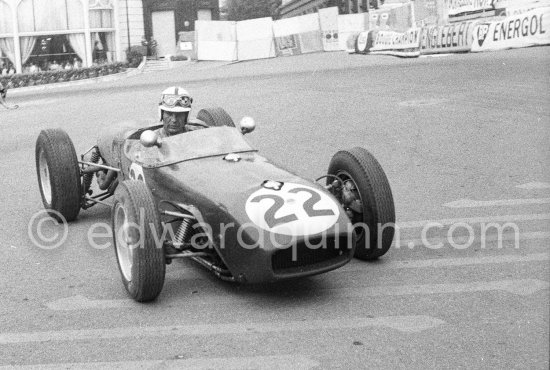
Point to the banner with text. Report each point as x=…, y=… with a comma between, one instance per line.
x=461, y=7
x=518, y=31
x=515, y=7
x=297, y=35
x=451, y=38
x=403, y=44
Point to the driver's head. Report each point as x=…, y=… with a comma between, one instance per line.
x=174, y=107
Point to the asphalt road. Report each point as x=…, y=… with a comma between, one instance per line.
x=464, y=140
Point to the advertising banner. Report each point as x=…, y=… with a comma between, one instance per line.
x=328, y=20
x=518, y=31
x=515, y=7
x=403, y=44
x=365, y=41
x=255, y=39
x=396, y=18
x=461, y=7
x=288, y=45
x=350, y=25
x=297, y=35
x=451, y=38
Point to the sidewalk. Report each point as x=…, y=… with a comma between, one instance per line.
x=193, y=66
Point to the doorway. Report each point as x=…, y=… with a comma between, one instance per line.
x=164, y=32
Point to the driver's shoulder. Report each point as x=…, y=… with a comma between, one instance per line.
x=195, y=124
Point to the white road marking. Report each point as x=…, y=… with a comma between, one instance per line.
x=257, y=362
x=447, y=262
x=474, y=220
x=79, y=302
x=470, y=203
x=522, y=287
x=534, y=186
x=409, y=324
x=463, y=240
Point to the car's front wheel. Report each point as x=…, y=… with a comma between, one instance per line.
x=58, y=174
x=365, y=194
x=136, y=230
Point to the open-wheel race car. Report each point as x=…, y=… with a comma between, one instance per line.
x=209, y=196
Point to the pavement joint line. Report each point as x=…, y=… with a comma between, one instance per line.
x=470, y=220
x=251, y=362
x=407, y=324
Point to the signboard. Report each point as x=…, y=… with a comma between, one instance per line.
x=328, y=21
x=288, y=45
x=404, y=44
x=518, y=31
x=451, y=38
x=461, y=7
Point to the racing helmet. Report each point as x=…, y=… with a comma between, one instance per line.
x=175, y=99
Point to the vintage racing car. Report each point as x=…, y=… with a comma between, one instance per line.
x=209, y=196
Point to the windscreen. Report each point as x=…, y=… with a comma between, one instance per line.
x=191, y=145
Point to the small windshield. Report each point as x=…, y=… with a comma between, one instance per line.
x=190, y=145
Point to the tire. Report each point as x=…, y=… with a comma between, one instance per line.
x=58, y=174
x=374, y=195
x=142, y=263
x=215, y=117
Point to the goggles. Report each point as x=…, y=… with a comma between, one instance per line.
x=172, y=101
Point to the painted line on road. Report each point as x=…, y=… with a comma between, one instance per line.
x=519, y=287
x=523, y=287
x=446, y=262
x=257, y=362
x=408, y=324
x=79, y=302
x=534, y=186
x=432, y=243
x=474, y=220
x=471, y=203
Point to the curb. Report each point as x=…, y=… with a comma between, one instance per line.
x=88, y=81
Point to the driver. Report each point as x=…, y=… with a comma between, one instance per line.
x=174, y=108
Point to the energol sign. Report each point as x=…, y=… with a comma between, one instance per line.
x=523, y=30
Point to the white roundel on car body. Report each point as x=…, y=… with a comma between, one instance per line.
x=136, y=172
x=294, y=209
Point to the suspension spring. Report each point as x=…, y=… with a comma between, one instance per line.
x=183, y=233
x=87, y=178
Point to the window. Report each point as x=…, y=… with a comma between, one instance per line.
x=51, y=15
x=6, y=23
x=51, y=52
x=101, y=13
x=101, y=18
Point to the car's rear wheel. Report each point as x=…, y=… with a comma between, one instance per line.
x=215, y=117
x=366, y=196
x=58, y=174
x=136, y=229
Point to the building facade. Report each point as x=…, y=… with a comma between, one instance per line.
x=54, y=34
x=48, y=35
x=293, y=8
x=165, y=19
